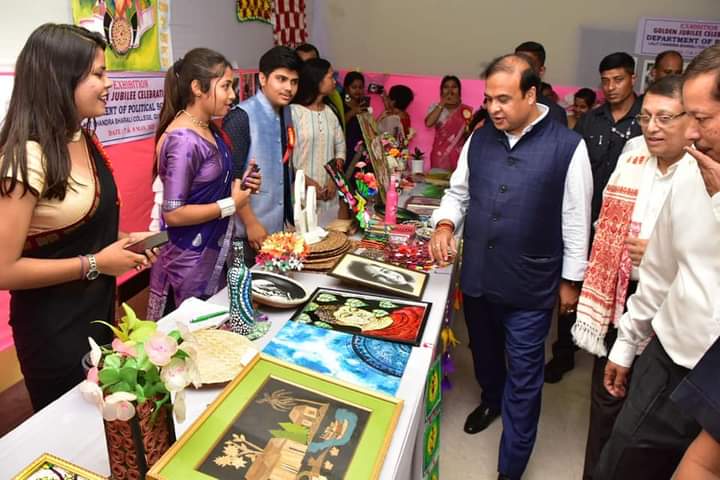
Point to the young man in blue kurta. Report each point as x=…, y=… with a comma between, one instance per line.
x=259, y=129
x=523, y=188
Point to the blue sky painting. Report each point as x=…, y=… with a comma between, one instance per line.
x=342, y=356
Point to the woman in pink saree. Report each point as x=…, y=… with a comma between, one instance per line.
x=450, y=118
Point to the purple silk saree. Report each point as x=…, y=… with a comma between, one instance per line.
x=193, y=171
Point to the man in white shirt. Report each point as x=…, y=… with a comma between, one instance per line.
x=632, y=201
x=523, y=188
x=675, y=300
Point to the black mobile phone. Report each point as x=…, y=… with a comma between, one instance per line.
x=157, y=240
x=376, y=88
x=254, y=168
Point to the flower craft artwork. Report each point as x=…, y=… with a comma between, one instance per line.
x=141, y=365
x=282, y=252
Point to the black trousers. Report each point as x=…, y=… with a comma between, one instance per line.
x=651, y=433
x=563, y=349
x=604, y=408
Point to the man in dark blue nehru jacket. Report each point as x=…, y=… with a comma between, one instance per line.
x=523, y=187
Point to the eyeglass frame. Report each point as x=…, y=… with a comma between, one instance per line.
x=662, y=120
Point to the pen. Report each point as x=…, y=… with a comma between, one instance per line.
x=208, y=316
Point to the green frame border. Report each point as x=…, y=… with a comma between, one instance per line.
x=192, y=448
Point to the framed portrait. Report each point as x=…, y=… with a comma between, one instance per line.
x=51, y=467
x=277, y=290
x=379, y=275
x=367, y=315
x=276, y=420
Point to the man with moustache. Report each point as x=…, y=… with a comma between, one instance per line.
x=605, y=130
x=675, y=307
x=522, y=186
x=260, y=129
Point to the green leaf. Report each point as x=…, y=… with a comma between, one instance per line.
x=140, y=394
x=176, y=335
x=311, y=307
x=387, y=304
x=120, y=387
x=130, y=317
x=323, y=325
x=152, y=376
x=117, y=332
x=129, y=375
x=112, y=361
x=355, y=303
x=131, y=363
x=303, y=318
x=109, y=376
x=380, y=313
x=326, y=298
x=181, y=354
x=143, y=332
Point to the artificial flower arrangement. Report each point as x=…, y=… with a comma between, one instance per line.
x=395, y=151
x=282, y=251
x=142, y=365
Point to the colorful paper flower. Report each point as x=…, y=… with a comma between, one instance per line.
x=160, y=348
x=95, y=352
x=92, y=393
x=123, y=348
x=119, y=406
x=175, y=375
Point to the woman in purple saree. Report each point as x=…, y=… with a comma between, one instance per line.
x=199, y=194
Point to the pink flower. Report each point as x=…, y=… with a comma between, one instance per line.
x=176, y=375
x=160, y=348
x=118, y=406
x=92, y=375
x=123, y=348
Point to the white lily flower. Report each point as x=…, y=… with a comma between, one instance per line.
x=175, y=375
x=119, y=406
x=179, y=408
x=92, y=393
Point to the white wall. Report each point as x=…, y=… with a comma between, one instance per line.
x=437, y=37
x=193, y=23
x=213, y=24
x=19, y=19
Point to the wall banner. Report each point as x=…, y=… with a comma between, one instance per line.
x=133, y=107
x=689, y=37
x=137, y=31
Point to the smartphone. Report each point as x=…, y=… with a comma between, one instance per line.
x=157, y=240
x=376, y=88
x=254, y=168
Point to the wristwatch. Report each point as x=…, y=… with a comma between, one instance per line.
x=93, y=271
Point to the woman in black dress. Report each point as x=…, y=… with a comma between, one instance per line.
x=59, y=208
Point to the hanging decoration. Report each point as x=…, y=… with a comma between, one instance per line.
x=254, y=10
x=289, y=22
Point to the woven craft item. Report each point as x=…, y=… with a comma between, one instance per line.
x=135, y=445
x=221, y=354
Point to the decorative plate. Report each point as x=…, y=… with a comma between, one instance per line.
x=277, y=290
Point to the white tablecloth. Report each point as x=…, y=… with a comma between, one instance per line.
x=72, y=429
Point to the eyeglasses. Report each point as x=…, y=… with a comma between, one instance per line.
x=662, y=120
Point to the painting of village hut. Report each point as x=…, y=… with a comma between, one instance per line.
x=285, y=433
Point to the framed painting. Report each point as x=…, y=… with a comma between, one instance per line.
x=366, y=315
x=380, y=275
x=276, y=420
x=369, y=363
x=50, y=467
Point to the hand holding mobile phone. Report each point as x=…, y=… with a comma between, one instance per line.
x=251, y=179
x=148, y=243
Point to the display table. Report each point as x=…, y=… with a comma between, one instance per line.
x=72, y=429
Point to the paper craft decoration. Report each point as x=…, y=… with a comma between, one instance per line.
x=51, y=467
x=277, y=290
x=433, y=390
x=242, y=314
x=344, y=190
x=279, y=421
x=253, y=10
x=431, y=441
x=366, y=362
x=289, y=22
x=367, y=315
x=305, y=211
x=380, y=275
